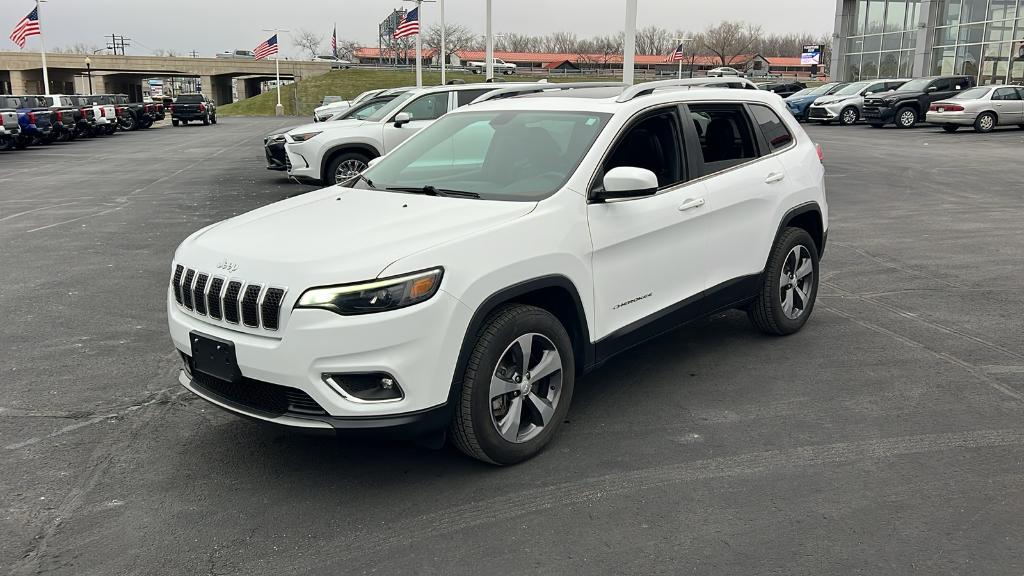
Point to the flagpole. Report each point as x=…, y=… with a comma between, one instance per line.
x=419, y=45
x=42, y=50
x=279, y=109
x=629, y=43
x=489, y=48
x=444, y=54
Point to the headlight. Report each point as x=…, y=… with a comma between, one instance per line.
x=305, y=136
x=376, y=295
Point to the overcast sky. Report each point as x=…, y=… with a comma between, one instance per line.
x=211, y=26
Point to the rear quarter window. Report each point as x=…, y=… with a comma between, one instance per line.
x=775, y=132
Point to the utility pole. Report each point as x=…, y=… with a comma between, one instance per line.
x=118, y=42
x=194, y=54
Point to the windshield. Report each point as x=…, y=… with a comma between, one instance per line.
x=972, y=94
x=392, y=106
x=821, y=90
x=801, y=93
x=190, y=99
x=331, y=99
x=362, y=111
x=852, y=89
x=918, y=84
x=500, y=154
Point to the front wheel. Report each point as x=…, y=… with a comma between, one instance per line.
x=906, y=117
x=790, y=285
x=849, y=116
x=344, y=166
x=517, y=386
x=985, y=122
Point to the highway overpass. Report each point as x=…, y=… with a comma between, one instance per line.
x=22, y=73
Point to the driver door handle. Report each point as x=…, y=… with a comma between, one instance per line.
x=690, y=204
x=774, y=177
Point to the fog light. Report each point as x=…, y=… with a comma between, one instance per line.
x=372, y=387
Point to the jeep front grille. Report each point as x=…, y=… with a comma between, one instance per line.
x=251, y=304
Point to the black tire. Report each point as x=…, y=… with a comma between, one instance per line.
x=206, y=120
x=985, y=122
x=331, y=174
x=184, y=122
x=174, y=122
x=6, y=144
x=767, y=312
x=849, y=116
x=906, y=117
x=213, y=119
x=1021, y=126
x=129, y=122
x=145, y=123
x=112, y=129
x=951, y=128
x=473, y=427
x=21, y=143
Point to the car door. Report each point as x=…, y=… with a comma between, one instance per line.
x=423, y=111
x=1007, y=105
x=649, y=253
x=744, y=182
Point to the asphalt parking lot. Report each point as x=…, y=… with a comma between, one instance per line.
x=885, y=438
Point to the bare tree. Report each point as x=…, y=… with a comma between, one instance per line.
x=308, y=41
x=560, y=43
x=652, y=40
x=78, y=48
x=515, y=42
x=458, y=38
x=347, y=49
x=171, y=53
x=730, y=40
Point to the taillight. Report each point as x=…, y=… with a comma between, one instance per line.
x=171, y=107
x=202, y=107
x=60, y=116
x=821, y=153
x=31, y=117
x=103, y=112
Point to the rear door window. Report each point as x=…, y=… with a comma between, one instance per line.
x=775, y=132
x=726, y=136
x=429, y=107
x=467, y=96
x=1006, y=94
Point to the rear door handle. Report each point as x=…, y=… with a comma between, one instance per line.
x=774, y=177
x=691, y=204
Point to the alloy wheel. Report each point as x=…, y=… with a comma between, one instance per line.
x=987, y=122
x=849, y=116
x=796, y=282
x=908, y=118
x=525, y=388
x=348, y=169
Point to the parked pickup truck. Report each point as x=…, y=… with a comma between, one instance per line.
x=9, y=128
x=500, y=67
x=36, y=122
x=193, y=107
x=104, y=115
x=64, y=121
x=132, y=115
x=72, y=120
x=908, y=105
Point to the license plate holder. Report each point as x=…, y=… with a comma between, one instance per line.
x=214, y=357
x=940, y=109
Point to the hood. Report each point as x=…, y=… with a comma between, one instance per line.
x=334, y=106
x=339, y=235
x=322, y=126
x=832, y=99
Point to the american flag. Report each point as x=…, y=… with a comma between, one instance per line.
x=29, y=26
x=268, y=48
x=677, y=56
x=410, y=24
x=334, y=42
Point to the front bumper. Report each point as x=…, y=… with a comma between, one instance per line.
x=825, y=112
x=878, y=114
x=276, y=156
x=798, y=111
x=302, y=159
x=9, y=132
x=418, y=346
x=951, y=118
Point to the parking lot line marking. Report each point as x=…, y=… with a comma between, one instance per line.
x=35, y=210
x=115, y=209
x=359, y=550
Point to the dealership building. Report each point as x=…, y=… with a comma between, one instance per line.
x=903, y=38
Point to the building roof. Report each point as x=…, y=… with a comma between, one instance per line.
x=545, y=59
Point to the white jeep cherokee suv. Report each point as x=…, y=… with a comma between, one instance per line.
x=466, y=279
x=334, y=152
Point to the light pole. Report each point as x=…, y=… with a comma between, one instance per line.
x=629, y=43
x=681, y=53
x=88, y=72
x=279, y=109
x=489, y=56
x=444, y=39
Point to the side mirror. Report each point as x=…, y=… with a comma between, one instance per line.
x=373, y=162
x=932, y=89
x=401, y=119
x=869, y=93
x=627, y=182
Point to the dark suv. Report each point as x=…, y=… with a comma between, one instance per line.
x=908, y=105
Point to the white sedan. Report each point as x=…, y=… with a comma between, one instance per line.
x=724, y=71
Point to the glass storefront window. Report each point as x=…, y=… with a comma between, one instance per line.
x=896, y=16
x=872, y=43
x=892, y=41
x=854, y=45
x=946, y=36
x=943, y=60
x=889, y=66
x=860, y=14
x=999, y=31
x=950, y=15
x=995, y=63
x=972, y=34
x=1017, y=67
x=869, y=67
x=853, y=67
x=1002, y=9
x=906, y=69
x=968, y=60
x=1019, y=30
x=974, y=11
x=913, y=11
x=876, y=16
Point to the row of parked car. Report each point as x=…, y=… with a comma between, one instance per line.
x=44, y=119
x=950, y=102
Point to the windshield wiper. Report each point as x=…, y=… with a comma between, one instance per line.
x=434, y=191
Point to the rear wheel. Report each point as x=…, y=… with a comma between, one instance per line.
x=22, y=142
x=213, y=119
x=985, y=122
x=790, y=285
x=951, y=128
x=517, y=386
x=206, y=120
x=129, y=122
x=174, y=122
x=345, y=166
x=849, y=116
x=906, y=117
